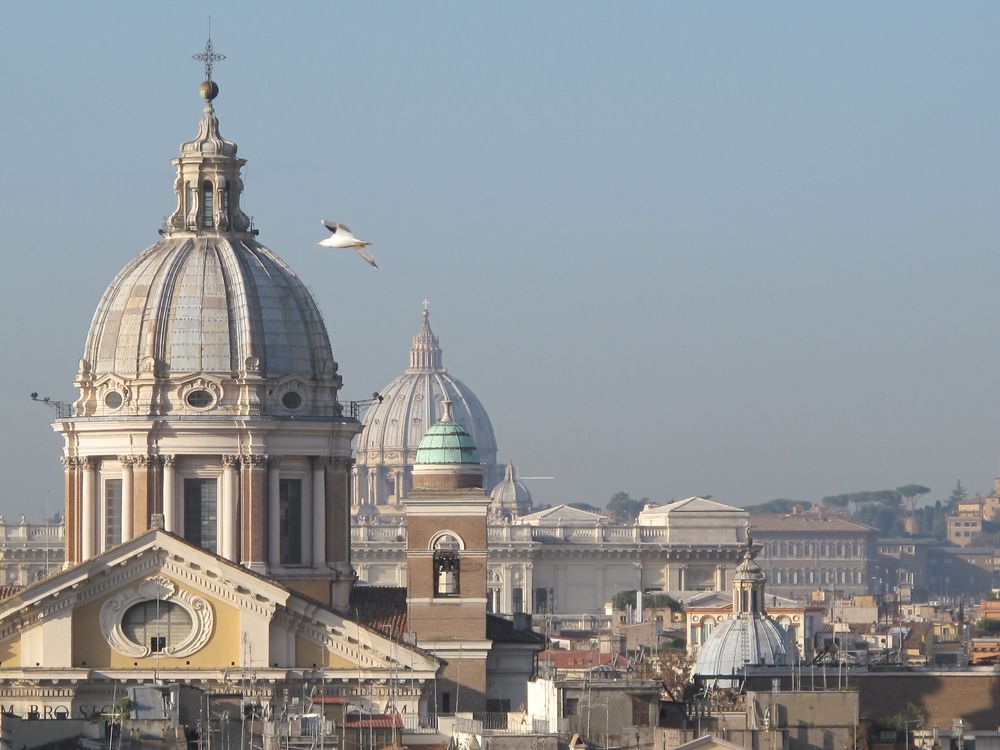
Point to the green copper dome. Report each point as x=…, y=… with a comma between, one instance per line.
x=446, y=442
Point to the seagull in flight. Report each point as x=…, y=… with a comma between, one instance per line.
x=342, y=237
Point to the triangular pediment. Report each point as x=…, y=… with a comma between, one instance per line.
x=562, y=514
x=229, y=615
x=690, y=505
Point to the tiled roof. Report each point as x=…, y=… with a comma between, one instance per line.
x=382, y=608
x=580, y=659
x=812, y=522
x=374, y=721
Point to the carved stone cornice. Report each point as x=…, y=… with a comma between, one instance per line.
x=126, y=460
x=254, y=460
x=145, y=461
x=87, y=463
x=69, y=462
x=229, y=461
x=168, y=461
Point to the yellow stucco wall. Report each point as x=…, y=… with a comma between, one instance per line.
x=10, y=652
x=91, y=650
x=314, y=589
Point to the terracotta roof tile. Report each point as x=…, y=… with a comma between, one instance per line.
x=382, y=608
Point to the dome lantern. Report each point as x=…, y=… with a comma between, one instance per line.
x=208, y=185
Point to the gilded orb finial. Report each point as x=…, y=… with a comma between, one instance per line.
x=209, y=89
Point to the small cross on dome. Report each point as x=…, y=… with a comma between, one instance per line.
x=209, y=56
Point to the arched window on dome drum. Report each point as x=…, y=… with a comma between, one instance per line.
x=707, y=626
x=207, y=205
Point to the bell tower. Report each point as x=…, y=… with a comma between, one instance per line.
x=446, y=561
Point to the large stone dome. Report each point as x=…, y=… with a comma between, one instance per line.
x=208, y=395
x=393, y=428
x=207, y=320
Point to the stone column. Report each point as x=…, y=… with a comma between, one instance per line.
x=87, y=509
x=72, y=518
x=338, y=529
x=274, y=511
x=253, y=515
x=229, y=517
x=128, y=496
x=529, y=590
x=319, y=512
x=141, y=508
x=170, y=498
x=338, y=510
x=507, y=605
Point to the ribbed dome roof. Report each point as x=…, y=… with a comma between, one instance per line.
x=744, y=641
x=208, y=304
x=446, y=442
x=412, y=403
x=510, y=495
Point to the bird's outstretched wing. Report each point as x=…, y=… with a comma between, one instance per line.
x=333, y=226
x=366, y=256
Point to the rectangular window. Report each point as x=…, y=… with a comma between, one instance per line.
x=208, y=209
x=640, y=711
x=290, y=525
x=570, y=706
x=541, y=600
x=112, y=512
x=446, y=572
x=200, y=512
x=446, y=703
x=518, y=600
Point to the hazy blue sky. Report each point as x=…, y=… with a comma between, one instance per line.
x=744, y=249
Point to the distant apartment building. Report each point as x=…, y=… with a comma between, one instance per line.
x=30, y=551
x=804, y=552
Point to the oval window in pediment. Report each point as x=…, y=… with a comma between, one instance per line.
x=157, y=625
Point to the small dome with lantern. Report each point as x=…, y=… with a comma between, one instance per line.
x=749, y=637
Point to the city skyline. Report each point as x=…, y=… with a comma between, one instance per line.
x=744, y=252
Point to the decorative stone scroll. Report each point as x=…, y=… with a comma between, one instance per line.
x=162, y=589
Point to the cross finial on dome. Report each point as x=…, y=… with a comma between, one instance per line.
x=208, y=56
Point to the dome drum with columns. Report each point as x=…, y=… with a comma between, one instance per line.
x=208, y=396
x=393, y=428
